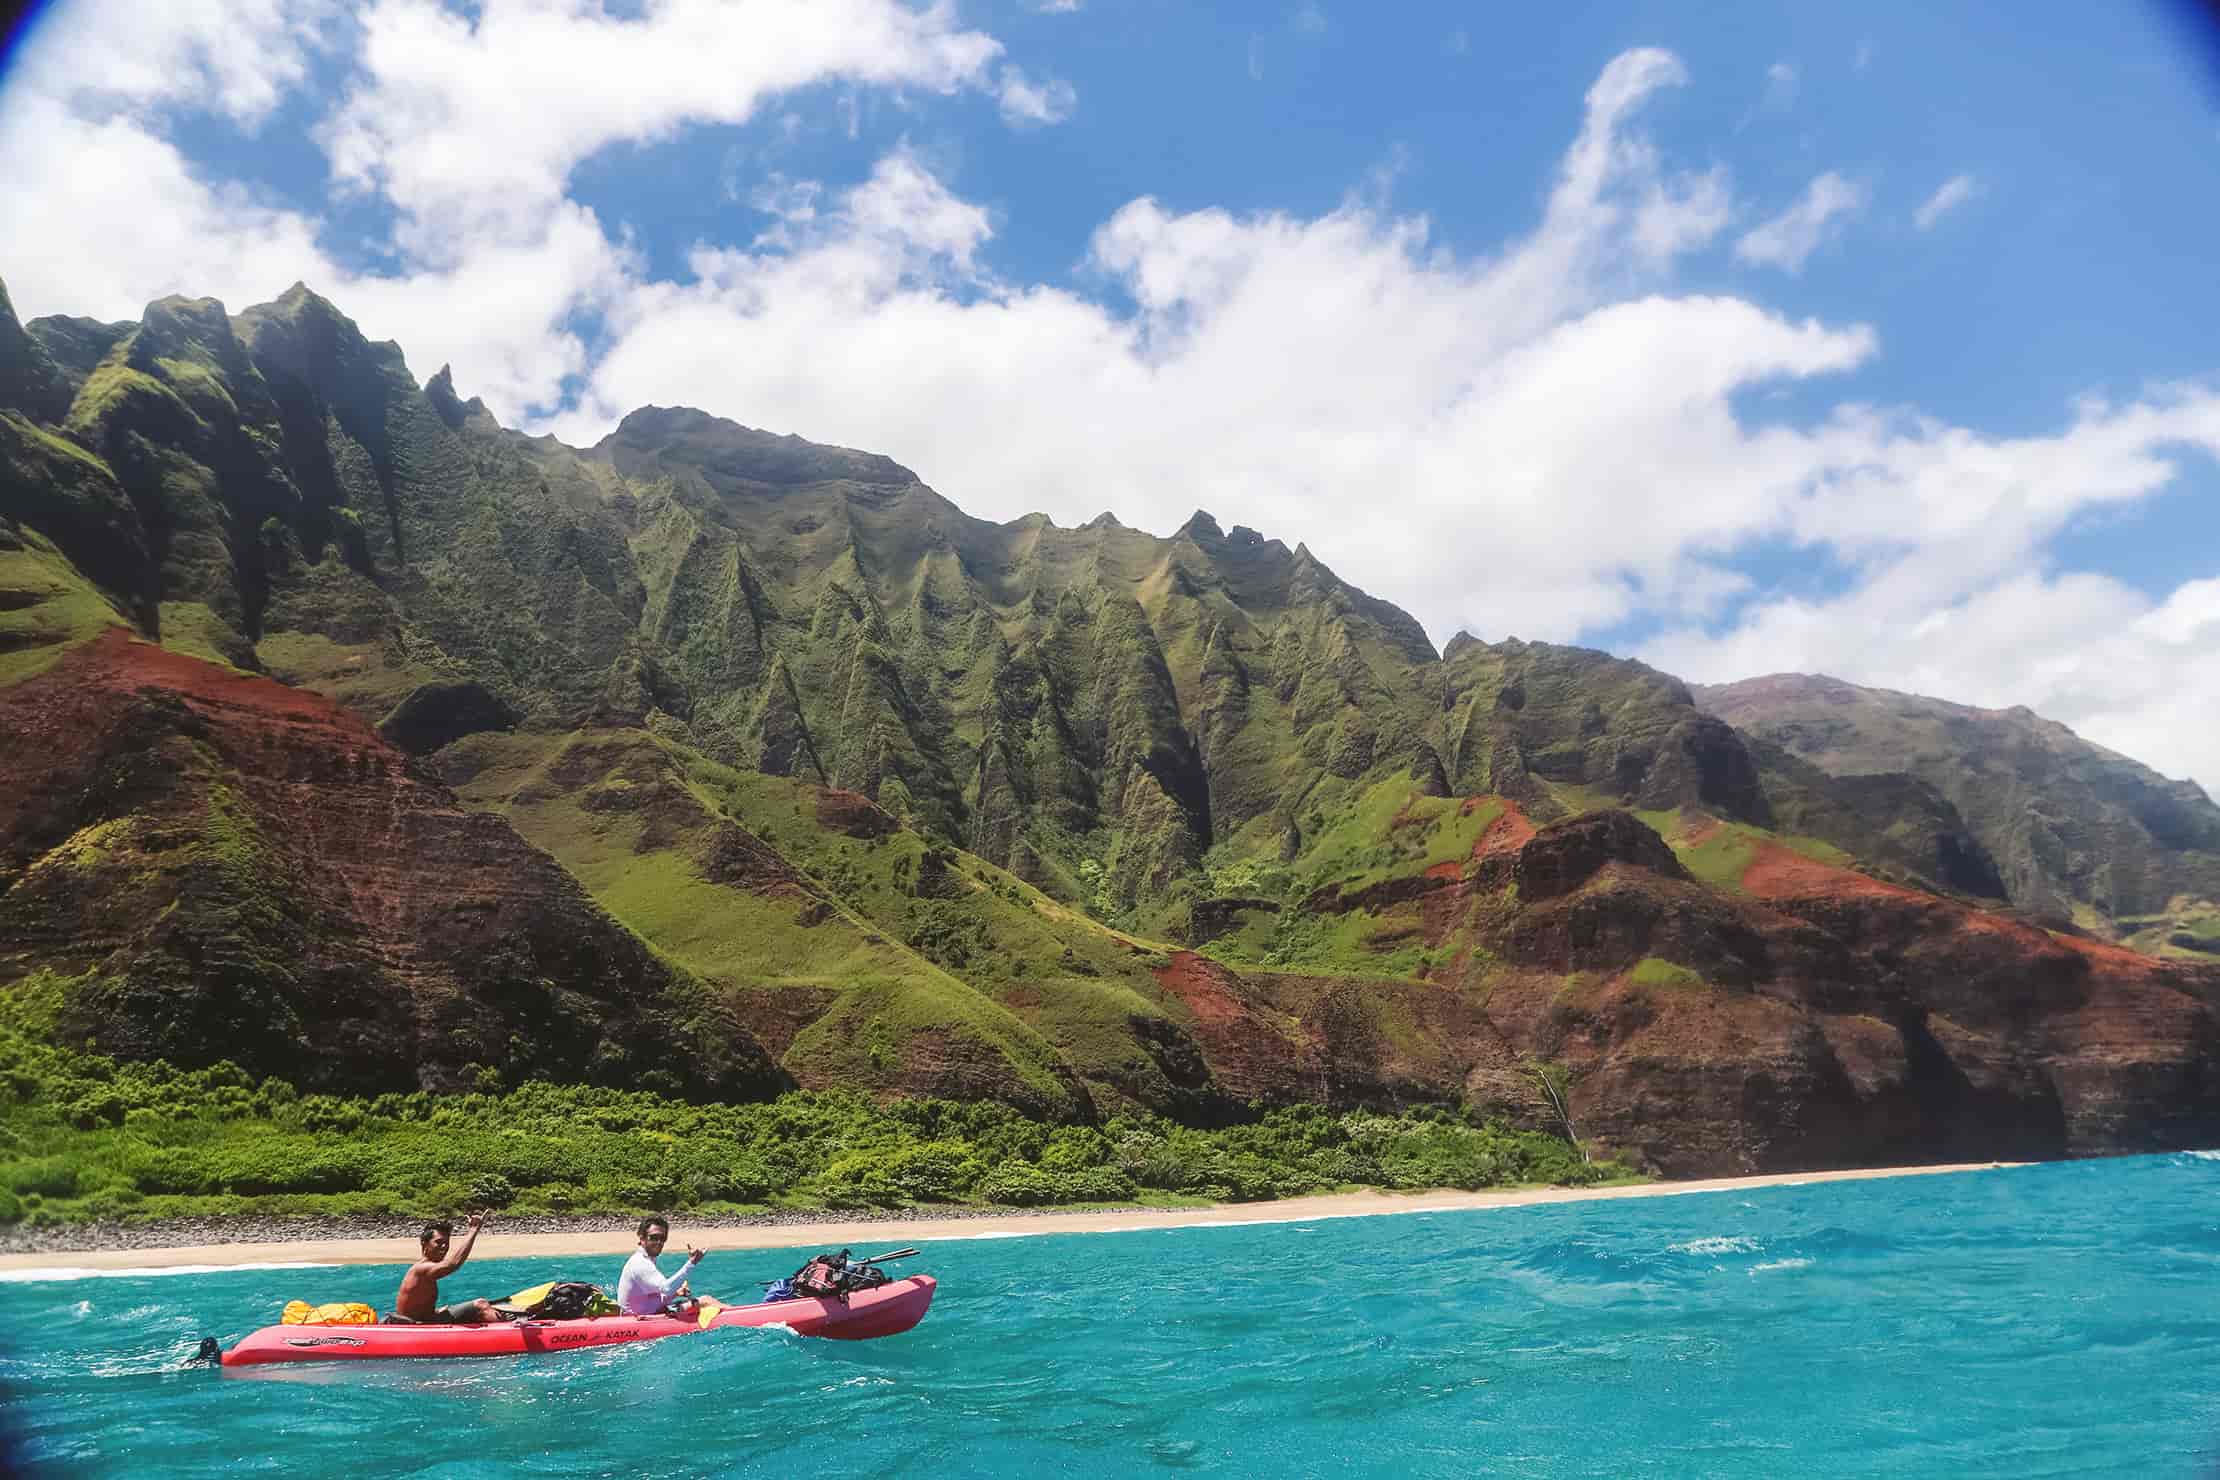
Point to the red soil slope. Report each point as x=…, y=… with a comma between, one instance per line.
x=247, y=871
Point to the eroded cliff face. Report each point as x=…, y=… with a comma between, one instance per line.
x=1814, y=1018
x=225, y=868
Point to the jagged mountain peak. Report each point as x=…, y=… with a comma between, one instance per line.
x=1200, y=527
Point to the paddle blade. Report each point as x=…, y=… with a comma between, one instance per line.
x=525, y=1299
x=710, y=1310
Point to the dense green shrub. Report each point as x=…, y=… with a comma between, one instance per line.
x=1019, y=1184
x=43, y=1176
x=84, y=1137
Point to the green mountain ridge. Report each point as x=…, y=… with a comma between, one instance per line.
x=902, y=800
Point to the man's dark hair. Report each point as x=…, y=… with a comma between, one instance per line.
x=656, y=1220
x=442, y=1226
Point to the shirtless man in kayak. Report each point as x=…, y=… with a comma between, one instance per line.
x=418, y=1302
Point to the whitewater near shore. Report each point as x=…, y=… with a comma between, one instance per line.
x=618, y=1237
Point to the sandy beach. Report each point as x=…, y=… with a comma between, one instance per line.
x=831, y=1233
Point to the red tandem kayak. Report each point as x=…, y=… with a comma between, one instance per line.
x=885, y=1311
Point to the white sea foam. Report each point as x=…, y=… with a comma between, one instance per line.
x=74, y=1272
x=1780, y=1264
x=2204, y=1155
x=966, y=1238
x=1727, y=1244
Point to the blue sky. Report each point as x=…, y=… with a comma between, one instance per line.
x=1876, y=340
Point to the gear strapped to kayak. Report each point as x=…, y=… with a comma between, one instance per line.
x=833, y=1277
x=558, y=1300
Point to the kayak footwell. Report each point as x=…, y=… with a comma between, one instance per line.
x=887, y=1311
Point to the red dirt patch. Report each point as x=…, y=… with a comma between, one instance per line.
x=1252, y=1050
x=1510, y=831
x=1777, y=872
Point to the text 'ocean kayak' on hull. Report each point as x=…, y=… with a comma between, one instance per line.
x=885, y=1311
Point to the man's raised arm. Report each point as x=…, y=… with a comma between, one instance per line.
x=455, y=1258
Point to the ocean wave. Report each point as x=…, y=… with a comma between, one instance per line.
x=2202, y=1155
x=1780, y=1264
x=1718, y=1244
x=75, y=1272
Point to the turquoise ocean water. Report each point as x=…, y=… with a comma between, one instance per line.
x=2051, y=1320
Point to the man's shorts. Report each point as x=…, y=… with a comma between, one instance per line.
x=462, y=1313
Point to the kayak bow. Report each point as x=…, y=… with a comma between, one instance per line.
x=886, y=1311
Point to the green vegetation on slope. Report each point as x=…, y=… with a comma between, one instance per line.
x=46, y=607
x=83, y=1137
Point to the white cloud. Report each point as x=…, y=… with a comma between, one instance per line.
x=498, y=313
x=1026, y=102
x=1862, y=58
x=460, y=121
x=231, y=57
x=1789, y=239
x=1953, y=193
x=1780, y=86
x=139, y=223
x=1053, y=7
x=1309, y=18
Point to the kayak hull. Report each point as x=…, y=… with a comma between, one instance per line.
x=887, y=1311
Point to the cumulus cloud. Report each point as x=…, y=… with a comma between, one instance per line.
x=1026, y=102
x=1951, y=194
x=1788, y=240
x=459, y=118
x=140, y=222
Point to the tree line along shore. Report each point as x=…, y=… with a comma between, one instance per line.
x=88, y=1139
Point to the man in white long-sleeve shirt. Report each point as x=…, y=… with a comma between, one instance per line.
x=642, y=1290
